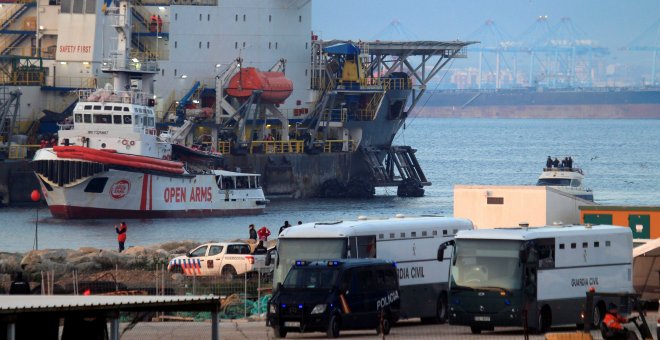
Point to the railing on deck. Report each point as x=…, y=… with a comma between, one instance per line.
x=369, y=83
x=109, y=96
x=292, y=146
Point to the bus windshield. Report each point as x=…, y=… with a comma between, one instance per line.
x=487, y=264
x=291, y=249
x=311, y=278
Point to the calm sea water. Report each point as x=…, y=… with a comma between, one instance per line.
x=621, y=160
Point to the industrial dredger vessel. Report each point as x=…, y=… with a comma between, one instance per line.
x=314, y=117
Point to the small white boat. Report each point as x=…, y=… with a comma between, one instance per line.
x=566, y=178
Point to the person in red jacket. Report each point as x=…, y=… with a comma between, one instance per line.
x=121, y=235
x=613, y=321
x=263, y=234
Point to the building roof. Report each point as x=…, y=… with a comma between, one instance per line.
x=14, y=304
x=618, y=208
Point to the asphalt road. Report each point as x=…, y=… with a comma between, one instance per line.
x=409, y=329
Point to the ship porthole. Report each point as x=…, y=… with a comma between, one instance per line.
x=103, y=145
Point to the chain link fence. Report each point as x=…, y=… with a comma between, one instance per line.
x=244, y=300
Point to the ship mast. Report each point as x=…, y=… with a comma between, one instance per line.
x=132, y=71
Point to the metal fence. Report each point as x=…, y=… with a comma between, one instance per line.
x=244, y=301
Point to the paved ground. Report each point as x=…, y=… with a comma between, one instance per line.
x=257, y=330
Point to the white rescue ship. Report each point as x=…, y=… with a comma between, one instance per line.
x=109, y=162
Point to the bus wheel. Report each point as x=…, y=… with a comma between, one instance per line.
x=333, y=327
x=475, y=329
x=545, y=320
x=599, y=313
x=440, y=311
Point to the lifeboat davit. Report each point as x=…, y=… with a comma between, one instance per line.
x=275, y=86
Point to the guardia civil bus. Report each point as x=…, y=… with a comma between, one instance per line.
x=502, y=277
x=411, y=242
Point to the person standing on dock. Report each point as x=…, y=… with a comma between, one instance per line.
x=263, y=234
x=121, y=235
x=253, y=233
x=286, y=225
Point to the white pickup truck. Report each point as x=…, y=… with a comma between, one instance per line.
x=227, y=259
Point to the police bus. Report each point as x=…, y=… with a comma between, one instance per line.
x=412, y=242
x=502, y=277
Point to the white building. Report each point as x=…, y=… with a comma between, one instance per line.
x=491, y=206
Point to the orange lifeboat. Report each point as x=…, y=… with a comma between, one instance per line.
x=275, y=86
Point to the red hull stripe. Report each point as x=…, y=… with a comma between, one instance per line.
x=143, y=198
x=151, y=192
x=71, y=212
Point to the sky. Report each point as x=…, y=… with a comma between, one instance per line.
x=613, y=24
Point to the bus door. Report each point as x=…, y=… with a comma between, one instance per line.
x=362, y=247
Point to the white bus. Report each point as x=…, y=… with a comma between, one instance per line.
x=412, y=242
x=501, y=277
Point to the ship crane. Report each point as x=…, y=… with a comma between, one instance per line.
x=8, y=114
x=648, y=41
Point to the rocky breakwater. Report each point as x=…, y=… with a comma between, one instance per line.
x=65, y=266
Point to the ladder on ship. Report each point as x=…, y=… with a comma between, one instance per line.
x=401, y=158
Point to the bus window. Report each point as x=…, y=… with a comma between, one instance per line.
x=545, y=249
x=128, y=119
x=78, y=118
x=363, y=246
x=116, y=119
x=87, y=118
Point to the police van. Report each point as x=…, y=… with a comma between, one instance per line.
x=412, y=242
x=502, y=277
x=331, y=295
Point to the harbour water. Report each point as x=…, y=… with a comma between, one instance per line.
x=621, y=160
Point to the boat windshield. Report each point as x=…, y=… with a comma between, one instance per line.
x=311, y=278
x=289, y=250
x=554, y=182
x=487, y=264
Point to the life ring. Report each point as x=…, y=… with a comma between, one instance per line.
x=124, y=142
x=132, y=142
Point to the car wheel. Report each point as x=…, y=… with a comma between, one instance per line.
x=333, y=327
x=386, y=325
x=228, y=273
x=279, y=332
x=475, y=330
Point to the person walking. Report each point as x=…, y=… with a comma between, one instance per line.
x=253, y=233
x=121, y=235
x=263, y=234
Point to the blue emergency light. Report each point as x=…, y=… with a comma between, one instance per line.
x=333, y=263
x=300, y=306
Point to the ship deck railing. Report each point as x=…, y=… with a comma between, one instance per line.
x=578, y=170
x=291, y=146
x=110, y=96
x=365, y=84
